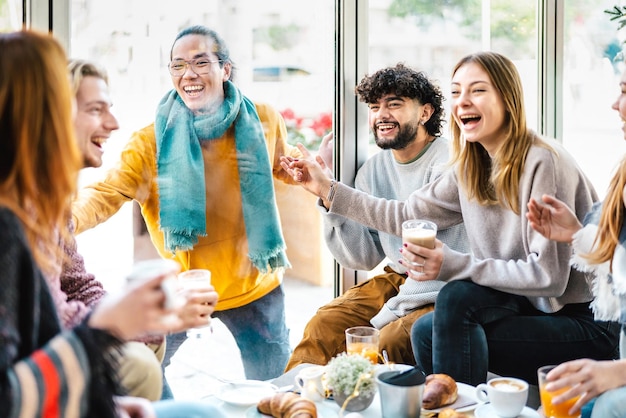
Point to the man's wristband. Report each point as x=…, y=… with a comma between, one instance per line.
x=331, y=191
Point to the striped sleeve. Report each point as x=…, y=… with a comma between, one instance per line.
x=52, y=382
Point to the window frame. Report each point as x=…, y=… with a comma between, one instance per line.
x=351, y=129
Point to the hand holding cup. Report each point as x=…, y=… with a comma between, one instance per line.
x=143, y=306
x=200, y=300
x=551, y=409
x=421, y=252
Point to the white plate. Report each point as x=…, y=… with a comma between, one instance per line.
x=486, y=411
x=323, y=411
x=245, y=392
x=467, y=395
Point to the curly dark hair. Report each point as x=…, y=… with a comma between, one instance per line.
x=404, y=82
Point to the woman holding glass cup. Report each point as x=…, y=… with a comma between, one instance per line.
x=514, y=303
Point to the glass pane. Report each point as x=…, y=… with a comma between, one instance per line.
x=284, y=55
x=10, y=15
x=433, y=36
x=592, y=131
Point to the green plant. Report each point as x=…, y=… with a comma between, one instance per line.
x=346, y=370
x=619, y=14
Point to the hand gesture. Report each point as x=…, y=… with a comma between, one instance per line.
x=312, y=174
x=553, y=219
x=422, y=263
x=325, y=151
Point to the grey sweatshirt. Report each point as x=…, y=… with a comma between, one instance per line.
x=358, y=247
x=506, y=253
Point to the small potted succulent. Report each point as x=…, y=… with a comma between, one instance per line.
x=350, y=377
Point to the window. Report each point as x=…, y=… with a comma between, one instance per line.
x=284, y=56
x=432, y=37
x=10, y=15
x=283, y=45
x=592, y=131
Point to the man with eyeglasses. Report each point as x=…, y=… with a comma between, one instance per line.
x=203, y=176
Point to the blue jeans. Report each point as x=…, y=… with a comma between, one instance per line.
x=261, y=334
x=476, y=329
x=611, y=404
x=185, y=409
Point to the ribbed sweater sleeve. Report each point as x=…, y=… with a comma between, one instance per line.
x=506, y=253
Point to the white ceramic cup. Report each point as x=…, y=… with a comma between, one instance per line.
x=507, y=395
x=309, y=382
x=149, y=269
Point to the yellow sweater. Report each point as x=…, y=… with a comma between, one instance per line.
x=224, y=250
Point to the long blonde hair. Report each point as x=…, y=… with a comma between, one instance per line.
x=39, y=156
x=496, y=181
x=611, y=219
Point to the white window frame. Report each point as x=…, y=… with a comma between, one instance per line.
x=351, y=130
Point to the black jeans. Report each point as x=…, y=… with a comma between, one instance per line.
x=475, y=329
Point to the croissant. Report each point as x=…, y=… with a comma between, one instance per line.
x=287, y=405
x=451, y=413
x=440, y=390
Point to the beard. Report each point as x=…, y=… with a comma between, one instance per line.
x=406, y=135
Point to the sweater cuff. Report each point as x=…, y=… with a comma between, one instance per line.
x=330, y=219
x=383, y=317
x=582, y=240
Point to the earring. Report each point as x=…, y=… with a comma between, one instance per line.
x=422, y=122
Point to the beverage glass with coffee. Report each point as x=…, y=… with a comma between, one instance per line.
x=363, y=341
x=419, y=232
x=507, y=395
x=551, y=410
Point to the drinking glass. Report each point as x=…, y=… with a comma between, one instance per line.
x=195, y=279
x=550, y=410
x=363, y=341
x=419, y=232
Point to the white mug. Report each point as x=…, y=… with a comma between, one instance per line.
x=309, y=382
x=507, y=395
x=149, y=269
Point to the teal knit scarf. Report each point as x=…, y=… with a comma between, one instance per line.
x=180, y=175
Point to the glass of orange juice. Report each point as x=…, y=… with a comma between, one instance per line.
x=549, y=409
x=363, y=341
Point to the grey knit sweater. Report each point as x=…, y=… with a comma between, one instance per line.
x=358, y=247
x=506, y=253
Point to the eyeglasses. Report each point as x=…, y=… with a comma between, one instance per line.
x=199, y=66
